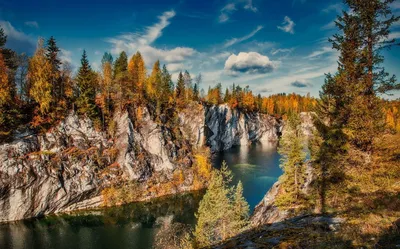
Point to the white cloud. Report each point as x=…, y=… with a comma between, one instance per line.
x=317, y=53
x=249, y=6
x=282, y=50
x=394, y=35
x=142, y=41
x=226, y=11
x=232, y=7
x=287, y=25
x=246, y=37
x=32, y=24
x=250, y=63
x=175, y=67
x=17, y=39
x=329, y=26
x=337, y=7
x=65, y=55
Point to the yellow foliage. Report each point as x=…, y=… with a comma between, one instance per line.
x=203, y=164
x=39, y=77
x=4, y=84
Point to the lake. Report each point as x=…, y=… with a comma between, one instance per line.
x=141, y=225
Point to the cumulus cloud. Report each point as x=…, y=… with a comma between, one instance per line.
x=241, y=39
x=287, y=25
x=32, y=24
x=300, y=84
x=18, y=40
x=142, y=41
x=249, y=63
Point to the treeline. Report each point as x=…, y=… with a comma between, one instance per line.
x=41, y=90
x=244, y=98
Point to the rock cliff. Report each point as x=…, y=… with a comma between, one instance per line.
x=68, y=167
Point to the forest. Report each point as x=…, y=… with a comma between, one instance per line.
x=353, y=153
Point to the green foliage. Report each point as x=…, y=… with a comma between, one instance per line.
x=223, y=212
x=86, y=81
x=291, y=148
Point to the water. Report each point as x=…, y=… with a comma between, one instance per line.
x=142, y=225
x=257, y=166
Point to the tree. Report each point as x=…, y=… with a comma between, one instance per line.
x=39, y=76
x=21, y=76
x=241, y=210
x=121, y=66
x=349, y=98
x=5, y=100
x=223, y=212
x=86, y=81
x=167, y=86
x=52, y=51
x=180, y=90
x=10, y=58
x=291, y=148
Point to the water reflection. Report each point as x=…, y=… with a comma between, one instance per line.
x=257, y=166
x=130, y=226
x=143, y=225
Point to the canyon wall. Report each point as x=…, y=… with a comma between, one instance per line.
x=68, y=167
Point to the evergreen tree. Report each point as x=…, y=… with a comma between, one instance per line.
x=223, y=212
x=167, y=86
x=291, y=148
x=349, y=98
x=86, y=81
x=241, y=210
x=121, y=66
x=52, y=51
x=180, y=90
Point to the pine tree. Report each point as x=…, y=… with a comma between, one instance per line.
x=167, y=86
x=52, y=51
x=291, y=148
x=107, y=89
x=215, y=212
x=121, y=66
x=180, y=90
x=223, y=212
x=120, y=73
x=86, y=81
x=241, y=210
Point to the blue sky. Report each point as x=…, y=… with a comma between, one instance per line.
x=272, y=46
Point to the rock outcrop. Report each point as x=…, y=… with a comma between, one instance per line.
x=226, y=127
x=68, y=167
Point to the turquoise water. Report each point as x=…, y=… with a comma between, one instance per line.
x=143, y=225
x=257, y=166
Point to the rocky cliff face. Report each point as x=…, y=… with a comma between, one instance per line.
x=68, y=167
x=226, y=127
x=266, y=212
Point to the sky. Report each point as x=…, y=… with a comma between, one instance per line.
x=271, y=46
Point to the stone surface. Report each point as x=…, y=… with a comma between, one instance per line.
x=67, y=168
